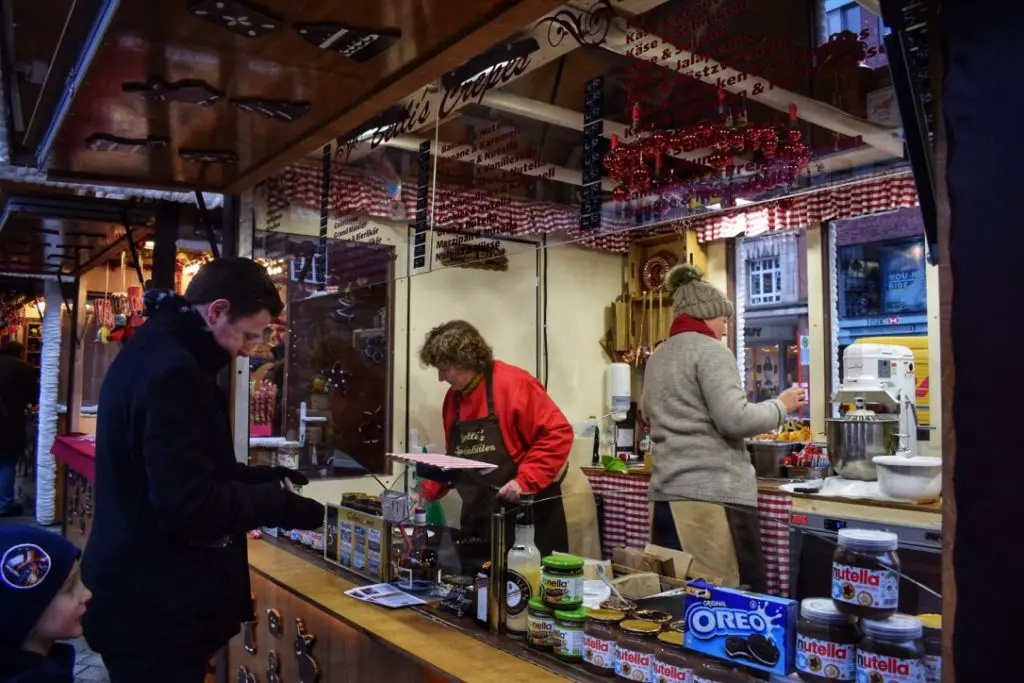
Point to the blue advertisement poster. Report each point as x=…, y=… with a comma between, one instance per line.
x=903, y=279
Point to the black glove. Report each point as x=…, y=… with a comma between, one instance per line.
x=302, y=513
x=294, y=476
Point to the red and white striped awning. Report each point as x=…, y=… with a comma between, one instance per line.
x=354, y=190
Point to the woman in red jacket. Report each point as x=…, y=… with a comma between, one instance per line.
x=500, y=414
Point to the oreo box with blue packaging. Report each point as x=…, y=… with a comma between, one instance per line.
x=749, y=629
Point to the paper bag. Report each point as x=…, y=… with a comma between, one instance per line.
x=674, y=563
x=637, y=586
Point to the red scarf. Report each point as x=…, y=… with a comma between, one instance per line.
x=687, y=323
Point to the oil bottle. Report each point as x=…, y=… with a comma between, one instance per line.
x=523, y=570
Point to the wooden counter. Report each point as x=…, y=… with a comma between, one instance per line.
x=357, y=640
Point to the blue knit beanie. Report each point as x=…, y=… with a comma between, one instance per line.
x=34, y=564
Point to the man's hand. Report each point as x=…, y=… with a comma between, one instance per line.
x=290, y=476
x=510, y=492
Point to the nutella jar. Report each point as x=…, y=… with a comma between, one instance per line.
x=568, y=635
x=826, y=643
x=673, y=663
x=634, y=653
x=932, y=647
x=662, y=619
x=540, y=624
x=865, y=573
x=600, y=635
x=891, y=650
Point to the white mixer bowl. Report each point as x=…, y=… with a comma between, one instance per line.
x=914, y=478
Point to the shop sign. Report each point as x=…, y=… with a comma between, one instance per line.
x=774, y=332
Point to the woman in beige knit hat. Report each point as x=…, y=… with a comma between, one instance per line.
x=703, y=487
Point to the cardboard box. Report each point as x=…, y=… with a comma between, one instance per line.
x=674, y=563
x=749, y=629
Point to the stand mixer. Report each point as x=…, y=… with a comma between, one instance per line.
x=879, y=381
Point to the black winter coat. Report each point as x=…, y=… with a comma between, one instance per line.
x=19, y=388
x=166, y=560
x=27, y=667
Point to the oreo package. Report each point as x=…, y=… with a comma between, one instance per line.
x=749, y=629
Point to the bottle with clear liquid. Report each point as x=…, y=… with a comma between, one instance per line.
x=523, y=570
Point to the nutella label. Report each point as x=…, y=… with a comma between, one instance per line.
x=540, y=631
x=825, y=659
x=665, y=673
x=633, y=665
x=561, y=591
x=878, y=588
x=569, y=642
x=599, y=652
x=933, y=669
x=872, y=668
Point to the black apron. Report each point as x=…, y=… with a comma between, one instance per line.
x=482, y=440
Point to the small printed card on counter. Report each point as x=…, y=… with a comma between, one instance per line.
x=384, y=594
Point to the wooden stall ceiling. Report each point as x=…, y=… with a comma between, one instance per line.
x=44, y=21
x=164, y=40
x=64, y=241
x=776, y=43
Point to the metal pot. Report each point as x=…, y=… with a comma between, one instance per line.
x=853, y=442
x=767, y=456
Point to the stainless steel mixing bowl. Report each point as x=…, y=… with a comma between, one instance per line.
x=854, y=441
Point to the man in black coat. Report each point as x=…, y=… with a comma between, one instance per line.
x=19, y=389
x=167, y=559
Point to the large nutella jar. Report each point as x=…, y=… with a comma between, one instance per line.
x=635, y=650
x=865, y=573
x=891, y=650
x=600, y=637
x=826, y=643
x=673, y=664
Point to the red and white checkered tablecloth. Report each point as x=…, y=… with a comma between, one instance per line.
x=626, y=512
x=627, y=522
x=774, y=509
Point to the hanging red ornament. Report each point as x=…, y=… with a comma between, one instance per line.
x=719, y=160
x=794, y=134
x=642, y=178
x=620, y=193
x=736, y=140
x=689, y=141
x=768, y=148
x=703, y=131
x=656, y=142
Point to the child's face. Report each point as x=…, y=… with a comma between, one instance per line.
x=63, y=618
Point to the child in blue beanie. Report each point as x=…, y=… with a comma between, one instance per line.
x=42, y=600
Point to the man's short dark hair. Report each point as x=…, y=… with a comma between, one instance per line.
x=245, y=285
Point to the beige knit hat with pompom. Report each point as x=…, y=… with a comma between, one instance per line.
x=694, y=296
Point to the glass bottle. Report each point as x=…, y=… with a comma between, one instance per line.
x=522, y=570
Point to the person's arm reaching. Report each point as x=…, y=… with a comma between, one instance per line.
x=727, y=403
x=189, y=498
x=435, y=490
x=547, y=433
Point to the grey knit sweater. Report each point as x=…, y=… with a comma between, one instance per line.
x=699, y=416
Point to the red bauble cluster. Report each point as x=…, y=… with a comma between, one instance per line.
x=637, y=165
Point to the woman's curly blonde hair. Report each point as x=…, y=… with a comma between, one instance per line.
x=458, y=344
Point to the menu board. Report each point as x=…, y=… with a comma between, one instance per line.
x=357, y=541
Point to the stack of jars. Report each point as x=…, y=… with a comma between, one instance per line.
x=857, y=634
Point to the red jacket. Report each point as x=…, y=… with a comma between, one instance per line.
x=536, y=433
